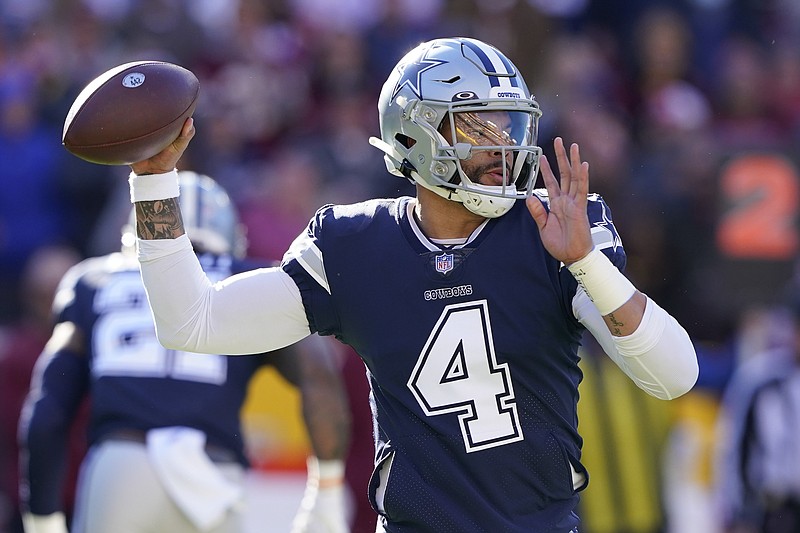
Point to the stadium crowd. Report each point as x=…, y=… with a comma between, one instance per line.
x=688, y=112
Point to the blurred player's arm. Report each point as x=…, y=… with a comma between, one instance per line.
x=314, y=366
x=318, y=376
x=59, y=383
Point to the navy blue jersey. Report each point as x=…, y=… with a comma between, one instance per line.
x=472, y=357
x=135, y=383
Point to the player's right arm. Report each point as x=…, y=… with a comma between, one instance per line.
x=59, y=383
x=252, y=312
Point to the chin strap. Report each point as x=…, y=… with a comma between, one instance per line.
x=485, y=205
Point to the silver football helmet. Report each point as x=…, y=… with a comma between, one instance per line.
x=472, y=91
x=209, y=216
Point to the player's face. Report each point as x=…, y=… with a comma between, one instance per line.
x=490, y=130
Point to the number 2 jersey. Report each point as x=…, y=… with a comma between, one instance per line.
x=471, y=352
x=133, y=382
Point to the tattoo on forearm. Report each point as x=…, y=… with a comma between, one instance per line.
x=616, y=325
x=160, y=219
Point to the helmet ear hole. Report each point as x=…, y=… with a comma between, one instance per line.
x=405, y=140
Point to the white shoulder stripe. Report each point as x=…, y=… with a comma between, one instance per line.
x=305, y=251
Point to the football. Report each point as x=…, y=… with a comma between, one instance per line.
x=130, y=112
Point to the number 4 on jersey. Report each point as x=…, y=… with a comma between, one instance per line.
x=457, y=373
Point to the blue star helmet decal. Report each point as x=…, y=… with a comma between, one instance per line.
x=412, y=74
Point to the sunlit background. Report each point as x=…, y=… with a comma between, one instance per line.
x=688, y=112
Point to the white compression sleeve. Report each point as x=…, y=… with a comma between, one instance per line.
x=252, y=312
x=659, y=356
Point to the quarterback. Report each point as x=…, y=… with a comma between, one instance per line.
x=467, y=302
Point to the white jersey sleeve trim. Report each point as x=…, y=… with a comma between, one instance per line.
x=659, y=356
x=309, y=256
x=252, y=312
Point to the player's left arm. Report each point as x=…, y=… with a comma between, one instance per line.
x=658, y=356
x=566, y=235
x=648, y=344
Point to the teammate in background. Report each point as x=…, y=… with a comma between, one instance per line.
x=166, y=445
x=466, y=305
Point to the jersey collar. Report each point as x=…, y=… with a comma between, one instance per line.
x=439, y=244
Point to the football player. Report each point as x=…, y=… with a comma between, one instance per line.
x=466, y=303
x=166, y=443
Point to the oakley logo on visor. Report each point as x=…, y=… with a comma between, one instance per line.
x=464, y=95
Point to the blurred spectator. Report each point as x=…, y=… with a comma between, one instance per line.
x=403, y=26
x=339, y=144
x=667, y=98
x=280, y=203
x=32, y=212
x=758, y=466
x=343, y=15
x=744, y=114
x=583, y=86
x=785, y=86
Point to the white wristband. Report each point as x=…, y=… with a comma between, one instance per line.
x=149, y=187
x=605, y=285
x=51, y=523
x=330, y=470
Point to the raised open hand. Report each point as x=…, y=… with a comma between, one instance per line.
x=565, y=228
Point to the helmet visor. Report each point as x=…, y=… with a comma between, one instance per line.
x=509, y=133
x=490, y=129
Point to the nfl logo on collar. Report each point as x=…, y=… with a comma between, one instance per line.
x=444, y=263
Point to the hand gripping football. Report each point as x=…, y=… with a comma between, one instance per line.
x=130, y=112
